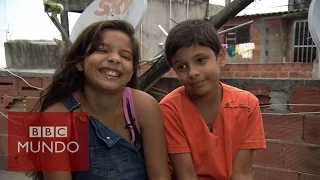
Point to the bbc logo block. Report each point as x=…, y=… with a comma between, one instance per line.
x=41, y=141
x=48, y=131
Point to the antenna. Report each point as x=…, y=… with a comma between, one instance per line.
x=313, y=21
x=132, y=11
x=55, y=9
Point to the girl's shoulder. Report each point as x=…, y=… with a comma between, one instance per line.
x=141, y=97
x=56, y=107
x=145, y=105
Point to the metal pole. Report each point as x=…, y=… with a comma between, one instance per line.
x=170, y=14
x=318, y=63
x=187, y=9
x=141, y=39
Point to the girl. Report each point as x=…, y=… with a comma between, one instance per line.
x=99, y=75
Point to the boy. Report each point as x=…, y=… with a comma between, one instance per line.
x=211, y=128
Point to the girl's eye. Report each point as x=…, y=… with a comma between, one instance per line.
x=101, y=50
x=126, y=57
x=181, y=67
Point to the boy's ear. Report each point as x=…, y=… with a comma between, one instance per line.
x=79, y=66
x=222, y=57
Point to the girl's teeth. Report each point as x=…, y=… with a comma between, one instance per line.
x=111, y=73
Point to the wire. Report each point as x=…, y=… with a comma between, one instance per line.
x=164, y=93
x=154, y=59
x=279, y=114
x=10, y=119
x=286, y=5
x=160, y=90
x=289, y=105
x=299, y=113
x=300, y=37
x=156, y=93
x=22, y=79
x=173, y=21
x=303, y=36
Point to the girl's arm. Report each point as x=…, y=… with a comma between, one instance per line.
x=153, y=138
x=54, y=175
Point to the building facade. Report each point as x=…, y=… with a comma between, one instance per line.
x=280, y=45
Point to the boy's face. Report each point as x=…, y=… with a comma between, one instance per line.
x=198, y=68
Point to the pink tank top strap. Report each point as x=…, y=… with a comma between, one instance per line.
x=130, y=98
x=127, y=102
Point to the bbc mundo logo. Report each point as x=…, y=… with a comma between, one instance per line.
x=44, y=145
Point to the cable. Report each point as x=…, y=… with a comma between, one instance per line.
x=279, y=114
x=154, y=59
x=165, y=92
x=156, y=93
x=289, y=105
x=299, y=113
x=10, y=119
x=22, y=79
x=287, y=5
x=301, y=37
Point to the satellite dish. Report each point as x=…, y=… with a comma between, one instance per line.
x=313, y=21
x=131, y=11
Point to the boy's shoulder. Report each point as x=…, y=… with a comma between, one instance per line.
x=176, y=97
x=234, y=94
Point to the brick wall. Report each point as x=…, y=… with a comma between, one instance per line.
x=16, y=95
x=269, y=70
x=293, y=150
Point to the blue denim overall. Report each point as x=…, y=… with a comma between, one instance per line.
x=110, y=155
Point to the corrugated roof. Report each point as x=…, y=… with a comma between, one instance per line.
x=273, y=13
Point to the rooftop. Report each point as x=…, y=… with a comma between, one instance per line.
x=293, y=12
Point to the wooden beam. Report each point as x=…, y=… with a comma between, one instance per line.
x=65, y=23
x=229, y=11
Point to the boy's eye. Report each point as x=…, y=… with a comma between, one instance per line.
x=201, y=60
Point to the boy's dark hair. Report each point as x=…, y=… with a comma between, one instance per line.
x=190, y=32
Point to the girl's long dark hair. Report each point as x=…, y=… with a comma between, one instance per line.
x=67, y=79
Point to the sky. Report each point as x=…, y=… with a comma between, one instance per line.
x=26, y=19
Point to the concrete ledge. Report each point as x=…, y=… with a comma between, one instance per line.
x=275, y=84
x=29, y=54
x=13, y=175
x=28, y=72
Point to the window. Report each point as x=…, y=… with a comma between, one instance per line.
x=304, y=49
x=237, y=36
